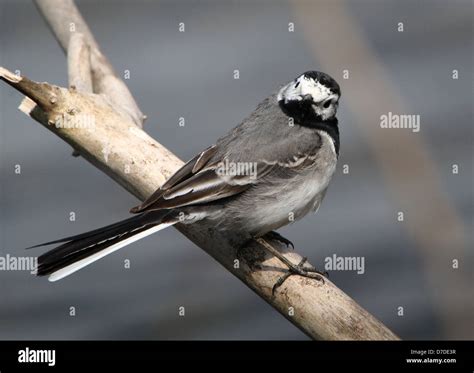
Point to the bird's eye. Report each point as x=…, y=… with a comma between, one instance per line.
x=327, y=104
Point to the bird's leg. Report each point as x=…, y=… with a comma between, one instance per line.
x=272, y=235
x=293, y=269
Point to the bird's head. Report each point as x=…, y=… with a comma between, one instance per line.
x=313, y=96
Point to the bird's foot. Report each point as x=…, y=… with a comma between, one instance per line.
x=299, y=269
x=293, y=269
x=272, y=235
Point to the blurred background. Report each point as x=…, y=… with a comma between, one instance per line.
x=388, y=56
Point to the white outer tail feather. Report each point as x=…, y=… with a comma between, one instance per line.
x=74, y=267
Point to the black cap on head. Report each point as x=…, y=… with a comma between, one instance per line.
x=325, y=80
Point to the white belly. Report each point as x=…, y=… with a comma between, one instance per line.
x=293, y=204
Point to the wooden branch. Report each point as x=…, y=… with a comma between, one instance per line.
x=112, y=142
x=140, y=164
x=79, y=64
x=65, y=20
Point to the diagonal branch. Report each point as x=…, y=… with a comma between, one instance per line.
x=91, y=123
x=65, y=20
x=140, y=165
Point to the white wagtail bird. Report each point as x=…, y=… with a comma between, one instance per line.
x=271, y=169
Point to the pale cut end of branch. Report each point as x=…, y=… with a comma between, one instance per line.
x=8, y=76
x=27, y=106
x=44, y=94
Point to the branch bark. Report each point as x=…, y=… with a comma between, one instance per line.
x=112, y=142
x=79, y=64
x=65, y=20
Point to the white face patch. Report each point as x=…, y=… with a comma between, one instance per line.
x=303, y=86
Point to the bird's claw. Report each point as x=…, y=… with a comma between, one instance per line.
x=308, y=272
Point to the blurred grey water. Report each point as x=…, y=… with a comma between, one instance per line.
x=190, y=75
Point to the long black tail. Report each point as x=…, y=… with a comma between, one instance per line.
x=78, y=251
